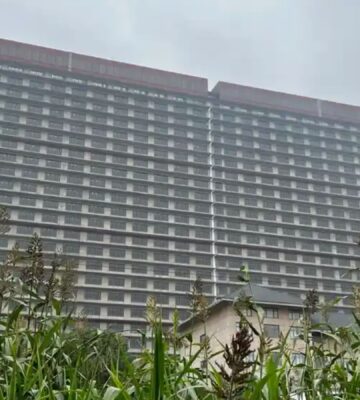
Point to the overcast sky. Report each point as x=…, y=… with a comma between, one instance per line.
x=306, y=47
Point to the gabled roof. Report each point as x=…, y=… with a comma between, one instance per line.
x=264, y=295
x=261, y=295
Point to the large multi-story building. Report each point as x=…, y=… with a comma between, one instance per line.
x=149, y=180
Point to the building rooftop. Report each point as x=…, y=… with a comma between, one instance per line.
x=69, y=62
x=264, y=296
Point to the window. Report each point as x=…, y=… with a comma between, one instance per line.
x=93, y=208
x=295, y=332
x=52, y=189
x=72, y=234
x=116, y=281
x=28, y=187
x=297, y=358
x=92, y=294
x=138, y=297
x=91, y=309
x=92, y=279
x=95, y=250
x=271, y=313
x=26, y=215
x=115, y=296
x=95, y=237
x=23, y=230
x=271, y=331
x=27, y=201
x=96, y=221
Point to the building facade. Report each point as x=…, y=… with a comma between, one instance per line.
x=277, y=314
x=149, y=181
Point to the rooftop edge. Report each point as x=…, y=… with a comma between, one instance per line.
x=66, y=61
x=69, y=62
x=246, y=95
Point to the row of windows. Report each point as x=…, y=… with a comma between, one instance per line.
x=303, y=168
x=327, y=276
x=179, y=143
x=273, y=254
x=185, y=287
x=324, y=129
x=140, y=296
x=131, y=108
x=254, y=116
x=119, y=239
x=257, y=115
x=301, y=136
x=83, y=89
x=91, y=310
x=301, y=219
x=246, y=216
x=324, y=296
x=247, y=183
x=160, y=136
x=310, y=147
x=125, y=123
x=123, y=161
x=231, y=160
x=283, y=211
x=282, y=198
x=230, y=202
x=107, y=116
x=137, y=200
x=285, y=193
x=255, y=259
x=300, y=168
x=93, y=169
x=118, y=184
x=122, y=224
x=156, y=270
x=130, y=149
x=276, y=217
x=265, y=231
x=120, y=252
x=273, y=241
x=102, y=143
x=97, y=208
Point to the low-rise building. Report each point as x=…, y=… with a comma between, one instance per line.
x=279, y=314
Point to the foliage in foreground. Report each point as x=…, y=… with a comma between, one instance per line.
x=46, y=355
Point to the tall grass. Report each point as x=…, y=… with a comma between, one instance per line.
x=46, y=354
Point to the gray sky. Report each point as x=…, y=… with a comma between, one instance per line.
x=306, y=47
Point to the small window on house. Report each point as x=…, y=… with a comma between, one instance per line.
x=295, y=314
x=272, y=331
x=271, y=313
x=295, y=332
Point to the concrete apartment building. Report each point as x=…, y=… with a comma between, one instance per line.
x=149, y=180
